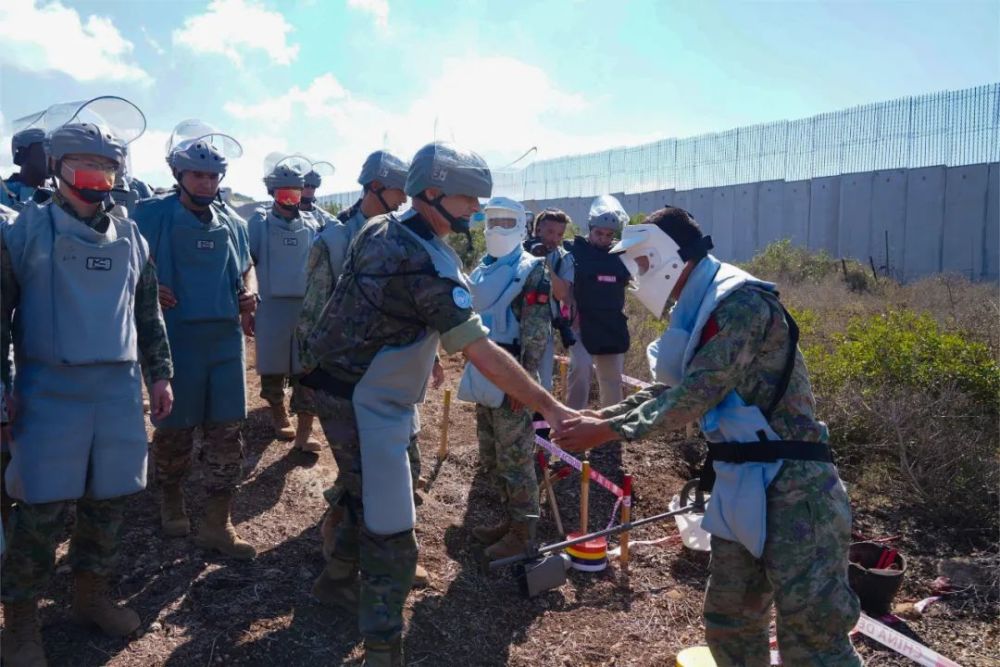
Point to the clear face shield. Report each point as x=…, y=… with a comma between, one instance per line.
x=191, y=131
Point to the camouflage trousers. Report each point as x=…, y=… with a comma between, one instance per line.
x=221, y=452
x=335, y=494
x=507, y=455
x=36, y=531
x=387, y=562
x=803, y=572
x=272, y=390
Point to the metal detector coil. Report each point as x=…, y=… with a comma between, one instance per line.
x=544, y=568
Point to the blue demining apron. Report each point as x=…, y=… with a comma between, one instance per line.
x=80, y=431
x=282, y=273
x=385, y=403
x=199, y=263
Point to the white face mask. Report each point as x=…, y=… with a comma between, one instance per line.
x=649, y=246
x=506, y=226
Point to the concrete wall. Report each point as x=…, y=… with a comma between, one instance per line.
x=934, y=219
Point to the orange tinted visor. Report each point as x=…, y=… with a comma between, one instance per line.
x=288, y=196
x=90, y=179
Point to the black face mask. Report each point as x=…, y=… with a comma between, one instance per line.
x=459, y=225
x=307, y=202
x=90, y=195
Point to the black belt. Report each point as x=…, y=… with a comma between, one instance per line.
x=769, y=451
x=764, y=451
x=320, y=380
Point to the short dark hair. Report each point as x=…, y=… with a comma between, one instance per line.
x=681, y=226
x=553, y=214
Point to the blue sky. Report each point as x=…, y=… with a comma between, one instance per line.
x=335, y=79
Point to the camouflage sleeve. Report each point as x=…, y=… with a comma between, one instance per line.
x=319, y=287
x=446, y=307
x=633, y=401
x=9, y=295
x=154, y=348
x=536, y=320
x=715, y=370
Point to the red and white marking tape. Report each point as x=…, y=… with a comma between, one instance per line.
x=902, y=644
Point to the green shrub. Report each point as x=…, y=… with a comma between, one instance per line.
x=908, y=349
x=790, y=264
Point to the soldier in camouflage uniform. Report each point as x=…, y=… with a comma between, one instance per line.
x=207, y=285
x=80, y=308
x=280, y=241
x=401, y=294
x=511, y=292
x=779, y=515
x=382, y=178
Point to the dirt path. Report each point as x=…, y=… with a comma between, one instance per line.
x=201, y=610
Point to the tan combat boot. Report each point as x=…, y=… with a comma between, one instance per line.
x=421, y=578
x=92, y=606
x=279, y=419
x=303, y=435
x=491, y=534
x=338, y=585
x=383, y=654
x=173, y=516
x=515, y=542
x=216, y=530
x=21, y=642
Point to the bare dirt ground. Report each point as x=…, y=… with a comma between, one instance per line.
x=200, y=609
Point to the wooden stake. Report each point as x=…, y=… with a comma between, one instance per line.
x=550, y=493
x=443, y=447
x=584, y=497
x=626, y=517
x=564, y=377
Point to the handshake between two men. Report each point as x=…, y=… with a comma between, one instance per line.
x=574, y=431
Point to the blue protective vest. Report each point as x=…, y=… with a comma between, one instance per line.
x=737, y=510
x=200, y=263
x=280, y=249
x=15, y=194
x=338, y=239
x=80, y=431
x=494, y=288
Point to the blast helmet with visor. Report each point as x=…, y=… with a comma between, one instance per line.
x=86, y=142
x=284, y=178
x=197, y=146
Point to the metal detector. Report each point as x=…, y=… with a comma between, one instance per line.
x=543, y=568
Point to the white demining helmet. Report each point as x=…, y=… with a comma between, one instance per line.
x=655, y=262
x=506, y=226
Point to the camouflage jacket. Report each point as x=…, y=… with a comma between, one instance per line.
x=319, y=287
x=747, y=354
x=389, y=294
x=154, y=349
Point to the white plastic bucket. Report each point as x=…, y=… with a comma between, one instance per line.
x=689, y=526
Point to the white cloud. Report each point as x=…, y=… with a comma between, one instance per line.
x=53, y=37
x=323, y=91
x=379, y=9
x=233, y=27
x=326, y=121
x=153, y=44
